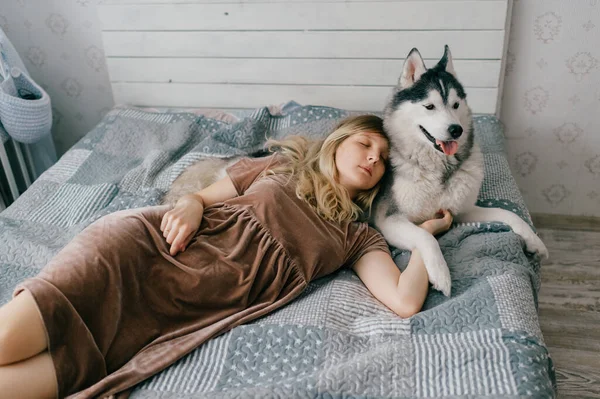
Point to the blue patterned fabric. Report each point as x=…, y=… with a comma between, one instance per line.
x=336, y=340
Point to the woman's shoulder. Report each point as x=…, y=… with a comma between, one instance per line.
x=269, y=159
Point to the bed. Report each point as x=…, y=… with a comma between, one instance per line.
x=335, y=340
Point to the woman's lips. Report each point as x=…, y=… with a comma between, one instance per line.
x=367, y=170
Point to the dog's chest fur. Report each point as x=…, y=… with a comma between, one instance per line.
x=420, y=190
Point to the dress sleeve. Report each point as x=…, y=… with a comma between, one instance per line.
x=361, y=240
x=247, y=170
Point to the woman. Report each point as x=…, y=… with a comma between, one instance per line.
x=138, y=289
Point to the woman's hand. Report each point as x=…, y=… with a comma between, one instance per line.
x=181, y=223
x=440, y=224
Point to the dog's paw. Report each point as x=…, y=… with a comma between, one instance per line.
x=534, y=244
x=439, y=274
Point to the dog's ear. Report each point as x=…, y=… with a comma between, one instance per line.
x=446, y=62
x=413, y=68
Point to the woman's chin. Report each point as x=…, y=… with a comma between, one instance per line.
x=360, y=183
x=364, y=180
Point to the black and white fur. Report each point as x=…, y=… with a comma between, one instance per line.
x=426, y=108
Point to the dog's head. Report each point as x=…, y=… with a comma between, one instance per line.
x=429, y=107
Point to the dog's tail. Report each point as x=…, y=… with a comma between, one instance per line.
x=195, y=177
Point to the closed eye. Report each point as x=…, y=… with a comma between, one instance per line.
x=383, y=155
x=429, y=106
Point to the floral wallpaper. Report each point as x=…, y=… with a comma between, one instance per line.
x=550, y=106
x=61, y=45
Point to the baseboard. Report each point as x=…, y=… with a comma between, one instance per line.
x=565, y=222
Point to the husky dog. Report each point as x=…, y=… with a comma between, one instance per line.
x=435, y=164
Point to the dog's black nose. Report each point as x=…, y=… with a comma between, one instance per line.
x=455, y=131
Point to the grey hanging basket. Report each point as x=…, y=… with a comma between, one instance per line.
x=25, y=108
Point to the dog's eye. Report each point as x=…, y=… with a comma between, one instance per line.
x=429, y=106
x=455, y=106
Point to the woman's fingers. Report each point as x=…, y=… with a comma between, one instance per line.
x=173, y=225
x=163, y=222
x=176, y=243
x=171, y=233
x=167, y=220
x=180, y=242
x=186, y=241
x=184, y=236
x=167, y=225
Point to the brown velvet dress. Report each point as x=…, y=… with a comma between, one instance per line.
x=118, y=308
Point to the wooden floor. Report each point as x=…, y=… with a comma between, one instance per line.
x=570, y=309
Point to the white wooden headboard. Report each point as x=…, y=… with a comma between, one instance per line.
x=340, y=53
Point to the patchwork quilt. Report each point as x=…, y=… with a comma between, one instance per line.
x=336, y=340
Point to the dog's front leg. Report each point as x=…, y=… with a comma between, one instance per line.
x=401, y=233
x=478, y=214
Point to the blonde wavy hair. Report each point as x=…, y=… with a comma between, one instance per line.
x=312, y=162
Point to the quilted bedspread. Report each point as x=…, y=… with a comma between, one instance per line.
x=336, y=340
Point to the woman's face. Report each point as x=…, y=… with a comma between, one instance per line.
x=359, y=160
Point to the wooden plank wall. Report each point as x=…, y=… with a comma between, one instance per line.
x=250, y=53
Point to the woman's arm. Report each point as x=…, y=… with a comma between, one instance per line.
x=404, y=293
x=219, y=191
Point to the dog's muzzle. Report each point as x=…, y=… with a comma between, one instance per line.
x=431, y=138
x=445, y=147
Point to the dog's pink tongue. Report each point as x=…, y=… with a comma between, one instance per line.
x=449, y=147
